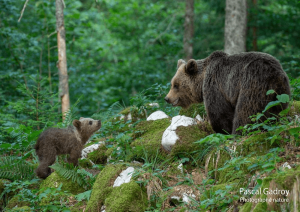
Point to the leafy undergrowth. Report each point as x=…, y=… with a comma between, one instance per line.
x=204, y=171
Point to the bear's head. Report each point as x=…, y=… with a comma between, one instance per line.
x=86, y=127
x=186, y=85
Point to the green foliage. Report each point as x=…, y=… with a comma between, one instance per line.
x=28, y=194
x=16, y=168
x=77, y=175
x=122, y=150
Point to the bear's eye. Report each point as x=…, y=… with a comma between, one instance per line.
x=176, y=86
x=90, y=122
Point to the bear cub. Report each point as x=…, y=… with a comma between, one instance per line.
x=56, y=141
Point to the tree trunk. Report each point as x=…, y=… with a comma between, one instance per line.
x=62, y=58
x=235, y=26
x=254, y=28
x=188, y=29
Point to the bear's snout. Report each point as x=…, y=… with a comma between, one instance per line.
x=167, y=99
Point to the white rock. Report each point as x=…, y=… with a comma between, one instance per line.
x=187, y=197
x=124, y=177
x=286, y=165
x=169, y=137
x=154, y=104
x=157, y=115
x=180, y=167
x=175, y=197
x=198, y=117
x=89, y=149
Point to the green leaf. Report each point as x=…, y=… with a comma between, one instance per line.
x=284, y=112
x=284, y=98
x=270, y=92
x=271, y=104
x=294, y=131
x=5, y=146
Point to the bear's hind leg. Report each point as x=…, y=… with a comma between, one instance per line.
x=43, y=170
x=220, y=113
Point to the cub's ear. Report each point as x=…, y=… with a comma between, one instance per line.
x=77, y=124
x=81, y=118
x=180, y=62
x=191, y=67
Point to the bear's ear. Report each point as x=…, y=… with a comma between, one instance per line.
x=81, y=118
x=191, y=67
x=180, y=62
x=77, y=124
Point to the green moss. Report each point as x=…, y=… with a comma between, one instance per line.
x=224, y=175
x=126, y=111
x=257, y=143
x=2, y=184
x=24, y=208
x=56, y=199
x=98, y=156
x=295, y=108
x=85, y=163
x=148, y=135
x=260, y=207
x=78, y=207
x=127, y=197
x=103, y=186
x=187, y=136
x=246, y=207
x=54, y=180
x=173, y=170
x=193, y=110
x=16, y=202
x=109, y=151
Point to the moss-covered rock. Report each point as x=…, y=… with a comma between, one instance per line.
x=98, y=156
x=54, y=180
x=103, y=186
x=24, y=209
x=148, y=135
x=185, y=145
x=16, y=202
x=127, y=197
x=193, y=110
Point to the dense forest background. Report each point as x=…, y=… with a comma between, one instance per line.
x=119, y=48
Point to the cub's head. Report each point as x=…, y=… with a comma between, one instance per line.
x=185, y=84
x=86, y=127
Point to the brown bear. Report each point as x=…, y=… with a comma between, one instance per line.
x=56, y=141
x=232, y=87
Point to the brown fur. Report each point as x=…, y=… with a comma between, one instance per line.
x=232, y=87
x=55, y=141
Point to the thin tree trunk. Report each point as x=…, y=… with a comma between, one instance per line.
x=62, y=58
x=188, y=29
x=254, y=29
x=235, y=26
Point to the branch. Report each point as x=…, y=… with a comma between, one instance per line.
x=166, y=30
x=23, y=10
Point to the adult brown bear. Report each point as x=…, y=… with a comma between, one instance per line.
x=232, y=87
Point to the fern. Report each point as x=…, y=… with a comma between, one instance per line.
x=80, y=176
x=12, y=168
x=70, y=114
